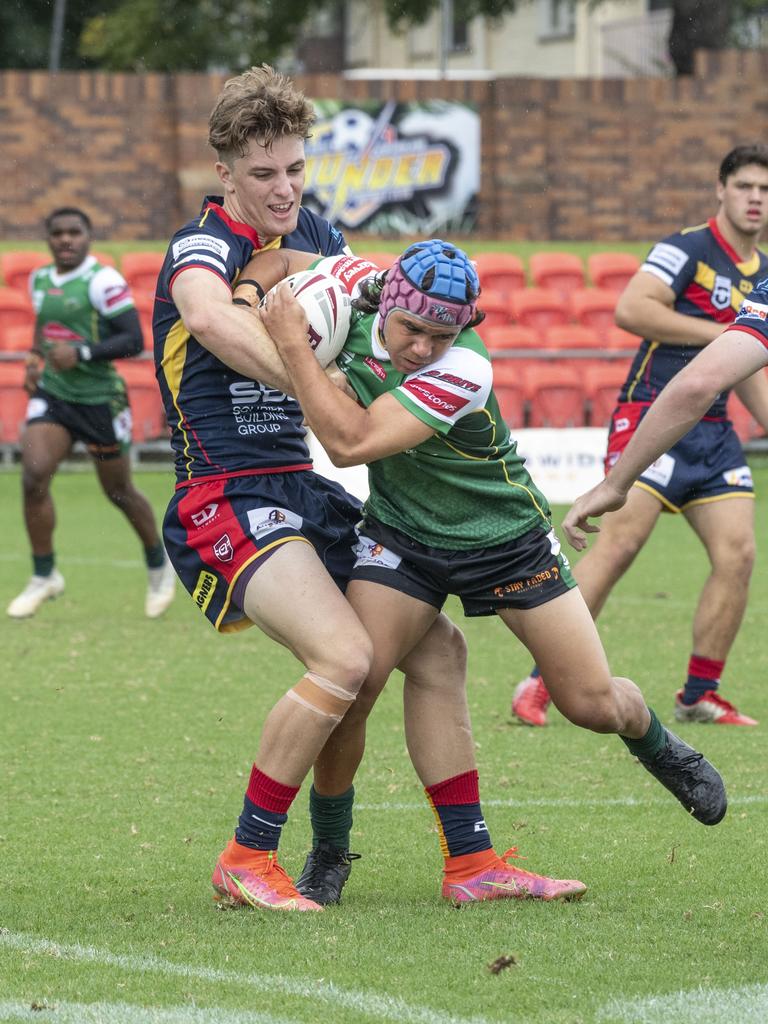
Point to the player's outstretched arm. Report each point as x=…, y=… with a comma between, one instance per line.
x=734, y=356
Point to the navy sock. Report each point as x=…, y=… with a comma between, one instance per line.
x=259, y=828
x=42, y=565
x=460, y=821
x=155, y=556
x=703, y=675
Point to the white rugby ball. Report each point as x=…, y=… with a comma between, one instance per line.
x=328, y=307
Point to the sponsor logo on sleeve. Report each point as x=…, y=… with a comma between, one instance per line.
x=752, y=311
x=206, y=243
x=451, y=378
x=204, y=588
x=116, y=294
x=668, y=257
x=433, y=397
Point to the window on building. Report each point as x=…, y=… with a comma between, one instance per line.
x=556, y=18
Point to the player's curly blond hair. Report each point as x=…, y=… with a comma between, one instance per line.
x=261, y=103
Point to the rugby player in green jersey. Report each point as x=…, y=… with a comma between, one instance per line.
x=452, y=510
x=85, y=319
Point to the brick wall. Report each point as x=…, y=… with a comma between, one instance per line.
x=612, y=160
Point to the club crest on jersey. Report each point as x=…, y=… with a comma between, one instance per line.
x=223, y=549
x=721, y=292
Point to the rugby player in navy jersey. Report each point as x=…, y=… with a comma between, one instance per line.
x=256, y=537
x=690, y=287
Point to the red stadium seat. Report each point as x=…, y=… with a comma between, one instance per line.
x=612, y=270
x=602, y=385
x=500, y=272
x=13, y=401
x=15, y=311
x=617, y=337
x=744, y=423
x=538, y=308
x=496, y=308
x=140, y=270
x=144, y=306
x=555, y=395
x=18, y=264
x=383, y=260
x=17, y=338
x=510, y=389
x=511, y=336
x=103, y=257
x=567, y=336
x=595, y=308
x=563, y=272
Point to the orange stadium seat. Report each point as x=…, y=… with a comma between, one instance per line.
x=15, y=311
x=744, y=423
x=555, y=395
x=147, y=410
x=500, y=271
x=563, y=272
x=511, y=336
x=567, y=336
x=595, y=308
x=617, y=337
x=383, y=260
x=496, y=308
x=13, y=401
x=18, y=264
x=140, y=270
x=612, y=270
x=144, y=306
x=103, y=257
x=602, y=385
x=510, y=389
x=17, y=338
x=538, y=308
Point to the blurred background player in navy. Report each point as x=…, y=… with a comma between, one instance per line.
x=689, y=289
x=85, y=318
x=257, y=537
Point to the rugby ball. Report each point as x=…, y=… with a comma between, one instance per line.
x=328, y=307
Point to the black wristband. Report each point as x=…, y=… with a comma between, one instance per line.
x=242, y=302
x=247, y=280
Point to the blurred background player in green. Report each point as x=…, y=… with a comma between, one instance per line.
x=85, y=318
x=688, y=290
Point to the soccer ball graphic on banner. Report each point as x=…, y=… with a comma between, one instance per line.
x=328, y=307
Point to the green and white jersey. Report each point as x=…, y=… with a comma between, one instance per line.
x=465, y=487
x=74, y=308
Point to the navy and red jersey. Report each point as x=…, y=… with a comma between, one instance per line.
x=221, y=422
x=710, y=281
x=753, y=315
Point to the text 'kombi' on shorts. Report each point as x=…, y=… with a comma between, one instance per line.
x=218, y=532
x=705, y=465
x=105, y=429
x=521, y=573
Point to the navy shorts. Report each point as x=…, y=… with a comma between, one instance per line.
x=708, y=464
x=105, y=429
x=521, y=573
x=218, y=532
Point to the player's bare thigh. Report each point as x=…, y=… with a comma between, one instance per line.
x=43, y=447
x=292, y=598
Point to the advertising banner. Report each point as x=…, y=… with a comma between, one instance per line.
x=395, y=168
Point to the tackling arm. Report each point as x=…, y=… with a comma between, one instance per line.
x=234, y=335
x=645, y=307
x=735, y=356
x=349, y=433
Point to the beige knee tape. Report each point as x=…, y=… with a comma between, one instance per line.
x=321, y=696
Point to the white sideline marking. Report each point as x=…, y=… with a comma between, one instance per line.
x=369, y=1004
x=747, y=1005
x=623, y=801
x=125, y=1013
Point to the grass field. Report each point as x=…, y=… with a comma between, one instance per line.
x=126, y=745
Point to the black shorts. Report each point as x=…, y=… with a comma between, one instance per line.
x=105, y=429
x=218, y=532
x=521, y=573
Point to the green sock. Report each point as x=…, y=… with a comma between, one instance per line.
x=42, y=565
x=648, y=746
x=331, y=817
x=155, y=557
